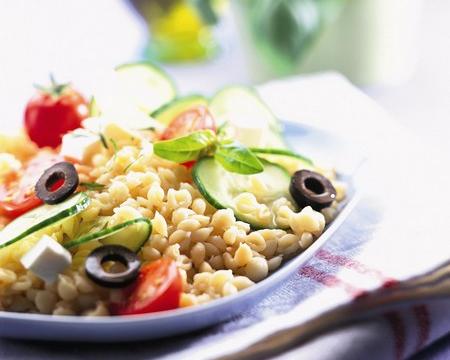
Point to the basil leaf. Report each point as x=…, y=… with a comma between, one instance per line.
x=238, y=159
x=185, y=148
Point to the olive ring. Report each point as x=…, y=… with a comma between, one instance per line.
x=309, y=188
x=96, y=272
x=64, y=171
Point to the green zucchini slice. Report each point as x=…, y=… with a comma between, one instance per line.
x=291, y=161
x=166, y=113
x=146, y=85
x=237, y=104
x=131, y=234
x=42, y=217
x=220, y=188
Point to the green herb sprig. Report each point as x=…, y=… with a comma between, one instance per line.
x=233, y=156
x=92, y=185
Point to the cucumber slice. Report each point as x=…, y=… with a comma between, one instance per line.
x=220, y=187
x=166, y=113
x=291, y=161
x=132, y=234
x=42, y=217
x=242, y=105
x=145, y=85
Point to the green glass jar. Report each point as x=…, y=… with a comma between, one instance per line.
x=369, y=41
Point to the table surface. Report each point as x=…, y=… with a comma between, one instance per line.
x=30, y=50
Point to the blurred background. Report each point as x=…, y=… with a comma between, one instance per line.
x=397, y=51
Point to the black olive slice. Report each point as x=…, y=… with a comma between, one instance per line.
x=309, y=188
x=62, y=171
x=95, y=271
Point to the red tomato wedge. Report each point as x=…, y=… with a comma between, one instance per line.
x=196, y=118
x=157, y=288
x=17, y=194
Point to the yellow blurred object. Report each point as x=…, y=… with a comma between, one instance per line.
x=181, y=20
x=178, y=31
x=18, y=145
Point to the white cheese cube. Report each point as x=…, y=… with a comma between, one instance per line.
x=248, y=129
x=47, y=259
x=80, y=144
x=251, y=136
x=121, y=134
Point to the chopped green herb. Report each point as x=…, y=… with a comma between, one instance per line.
x=92, y=185
x=93, y=107
x=131, y=164
x=103, y=140
x=78, y=135
x=114, y=144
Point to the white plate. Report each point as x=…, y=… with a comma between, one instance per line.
x=307, y=141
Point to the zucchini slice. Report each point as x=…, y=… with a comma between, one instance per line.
x=241, y=104
x=42, y=217
x=146, y=85
x=220, y=188
x=131, y=234
x=166, y=113
x=291, y=161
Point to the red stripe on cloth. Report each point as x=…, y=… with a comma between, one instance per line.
x=399, y=331
x=423, y=320
x=329, y=280
x=350, y=263
x=394, y=319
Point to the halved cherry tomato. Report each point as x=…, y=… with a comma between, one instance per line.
x=17, y=194
x=53, y=112
x=157, y=288
x=196, y=118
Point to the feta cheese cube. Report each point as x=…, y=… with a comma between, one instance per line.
x=251, y=136
x=80, y=144
x=47, y=259
x=121, y=134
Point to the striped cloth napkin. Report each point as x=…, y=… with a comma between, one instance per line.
x=381, y=285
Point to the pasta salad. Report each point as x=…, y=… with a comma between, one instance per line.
x=152, y=201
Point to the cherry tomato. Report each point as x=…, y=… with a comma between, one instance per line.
x=197, y=118
x=52, y=113
x=17, y=194
x=157, y=288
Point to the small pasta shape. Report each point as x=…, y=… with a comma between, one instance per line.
x=257, y=269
